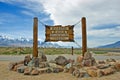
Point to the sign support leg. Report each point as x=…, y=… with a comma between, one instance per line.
x=35, y=37
x=84, y=36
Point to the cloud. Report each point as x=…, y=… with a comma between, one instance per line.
x=97, y=13
x=27, y=13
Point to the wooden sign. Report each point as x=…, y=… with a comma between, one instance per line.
x=59, y=33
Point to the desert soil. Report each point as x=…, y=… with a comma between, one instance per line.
x=5, y=74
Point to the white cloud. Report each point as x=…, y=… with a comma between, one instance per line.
x=27, y=13
x=97, y=12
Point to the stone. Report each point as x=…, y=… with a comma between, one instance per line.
x=27, y=71
x=93, y=63
x=103, y=66
x=69, y=65
x=57, y=69
x=61, y=60
x=66, y=70
x=42, y=57
x=87, y=62
x=34, y=72
x=27, y=59
x=43, y=65
x=92, y=68
x=76, y=73
x=42, y=70
x=17, y=66
x=71, y=70
x=83, y=73
x=48, y=70
x=21, y=69
x=79, y=59
x=92, y=73
x=31, y=63
x=108, y=71
x=87, y=55
x=71, y=61
x=99, y=73
x=117, y=66
x=52, y=61
x=79, y=65
x=110, y=60
x=36, y=61
x=11, y=65
x=53, y=65
x=101, y=62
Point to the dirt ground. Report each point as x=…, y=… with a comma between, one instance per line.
x=5, y=74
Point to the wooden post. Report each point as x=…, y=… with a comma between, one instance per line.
x=72, y=50
x=84, y=36
x=35, y=37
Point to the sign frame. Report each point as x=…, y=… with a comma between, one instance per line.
x=59, y=33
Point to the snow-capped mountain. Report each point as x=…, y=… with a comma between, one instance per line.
x=6, y=41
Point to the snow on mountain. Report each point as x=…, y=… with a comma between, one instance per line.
x=6, y=41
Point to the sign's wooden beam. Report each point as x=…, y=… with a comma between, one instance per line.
x=84, y=36
x=35, y=37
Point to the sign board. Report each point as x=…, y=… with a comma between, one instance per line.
x=59, y=33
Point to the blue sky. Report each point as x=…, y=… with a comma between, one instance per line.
x=103, y=19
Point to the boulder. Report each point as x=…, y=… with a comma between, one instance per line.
x=79, y=65
x=110, y=60
x=83, y=73
x=71, y=70
x=42, y=57
x=71, y=61
x=87, y=55
x=69, y=65
x=66, y=70
x=27, y=71
x=27, y=59
x=117, y=66
x=57, y=70
x=17, y=66
x=61, y=60
x=52, y=61
x=21, y=69
x=92, y=73
x=99, y=73
x=94, y=63
x=34, y=72
x=101, y=62
x=36, y=61
x=49, y=70
x=76, y=73
x=108, y=71
x=103, y=66
x=87, y=62
x=31, y=63
x=43, y=70
x=43, y=65
x=79, y=59
x=11, y=65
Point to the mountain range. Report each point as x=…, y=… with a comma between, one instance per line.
x=113, y=45
x=6, y=41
